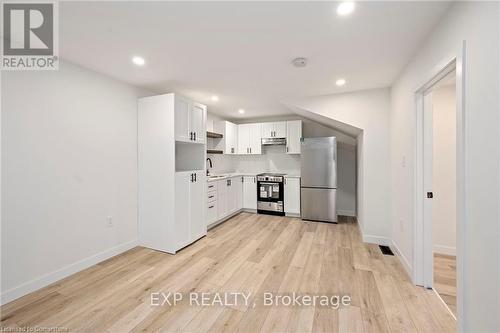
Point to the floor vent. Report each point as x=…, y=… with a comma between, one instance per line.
x=386, y=250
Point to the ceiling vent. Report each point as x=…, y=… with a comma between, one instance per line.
x=299, y=62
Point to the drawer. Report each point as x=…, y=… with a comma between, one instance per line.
x=211, y=212
x=211, y=186
x=212, y=196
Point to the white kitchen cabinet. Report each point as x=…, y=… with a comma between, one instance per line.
x=190, y=120
x=224, y=198
x=197, y=199
x=255, y=139
x=249, y=192
x=189, y=218
x=181, y=112
x=238, y=191
x=292, y=196
x=274, y=129
x=249, y=139
x=221, y=198
x=229, y=142
x=171, y=176
x=293, y=136
x=197, y=122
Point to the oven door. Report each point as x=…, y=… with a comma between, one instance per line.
x=270, y=198
x=269, y=191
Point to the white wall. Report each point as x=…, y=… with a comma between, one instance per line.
x=368, y=111
x=69, y=146
x=444, y=203
x=478, y=24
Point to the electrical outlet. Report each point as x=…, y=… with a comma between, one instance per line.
x=109, y=222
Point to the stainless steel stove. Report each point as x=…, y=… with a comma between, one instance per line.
x=270, y=194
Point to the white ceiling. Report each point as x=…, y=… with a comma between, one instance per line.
x=241, y=51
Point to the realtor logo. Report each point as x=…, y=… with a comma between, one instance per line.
x=29, y=33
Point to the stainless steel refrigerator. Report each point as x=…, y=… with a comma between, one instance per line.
x=318, y=169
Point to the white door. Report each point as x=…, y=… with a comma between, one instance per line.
x=234, y=138
x=267, y=130
x=197, y=122
x=427, y=168
x=197, y=204
x=255, y=138
x=244, y=139
x=181, y=119
x=221, y=198
x=280, y=129
x=231, y=138
x=238, y=192
x=230, y=196
x=249, y=192
x=293, y=136
x=183, y=181
x=292, y=195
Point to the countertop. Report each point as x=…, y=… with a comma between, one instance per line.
x=249, y=174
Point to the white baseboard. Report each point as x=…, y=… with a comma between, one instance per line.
x=402, y=259
x=346, y=213
x=448, y=250
x=49, y=278
x=376, y=240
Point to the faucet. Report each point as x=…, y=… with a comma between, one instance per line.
x=211, y=166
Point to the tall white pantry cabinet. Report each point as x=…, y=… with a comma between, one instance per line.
x=171, y=165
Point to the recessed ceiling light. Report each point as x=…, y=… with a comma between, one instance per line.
x=241, y=111
x=139, y=61
x=214, y=98
x=340, y=82
x=345, y=8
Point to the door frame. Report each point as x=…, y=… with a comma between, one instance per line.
x=422, y=254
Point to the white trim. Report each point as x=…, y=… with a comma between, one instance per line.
x=376, y=240
x=404, y=261
x=420, y=265
x=59, y=274
x=443, y=249
x=444, y=303
x=346, y=213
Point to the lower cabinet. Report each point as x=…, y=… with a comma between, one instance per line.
x=224, y=197
x=292, y=196
x=249, y=192
x=189, y=218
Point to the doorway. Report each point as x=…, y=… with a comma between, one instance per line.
x=439, y=196
x=440, y=124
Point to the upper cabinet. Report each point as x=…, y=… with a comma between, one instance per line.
x=229, y=142
x=274, y=130
x=293, y=136
x=249, y=139
x=190, y=119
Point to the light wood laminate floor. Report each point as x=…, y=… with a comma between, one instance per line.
x=445, y=279
x=248, y=253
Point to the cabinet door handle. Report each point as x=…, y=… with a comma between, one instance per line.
x=194, y=136
x=210, y=196
x=194, y=177
x=191, y=178
x=254, y=179
x=250, y=150
x=210, y=186
x=210, y=207
x=287, y=149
